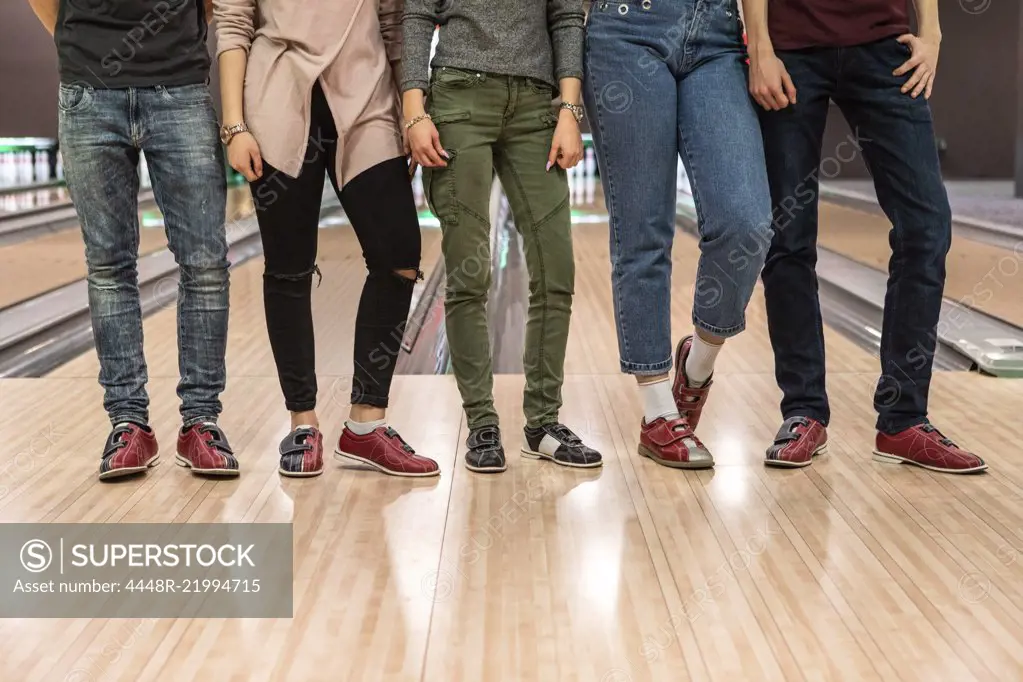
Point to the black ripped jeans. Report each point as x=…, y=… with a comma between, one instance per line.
x=381, y=208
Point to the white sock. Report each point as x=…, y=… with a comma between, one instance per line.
x=700, y=362
x=303, y=426
x=364, y=428
x=658, y=401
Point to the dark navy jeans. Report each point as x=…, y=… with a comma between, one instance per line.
x=896, y=135
x=102, y=133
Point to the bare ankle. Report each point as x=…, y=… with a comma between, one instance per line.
x=307, y=418
x=367, y=413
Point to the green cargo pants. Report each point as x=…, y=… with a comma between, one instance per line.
x=486, y=123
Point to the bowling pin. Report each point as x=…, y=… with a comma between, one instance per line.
x=24, y=168
x=42, y=166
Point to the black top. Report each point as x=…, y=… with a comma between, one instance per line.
x=132, y=43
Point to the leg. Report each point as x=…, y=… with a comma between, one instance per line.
x=898, y=144
x=101, y=167
x=720, y=144
x=380, y=204
x=180, y=139
x=288, y=211
x=631, y=99
x=466, y=110
x=792, y=144
x=539, y=204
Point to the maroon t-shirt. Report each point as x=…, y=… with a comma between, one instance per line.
x=796, y=24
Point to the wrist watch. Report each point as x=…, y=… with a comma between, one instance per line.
x=227, y=132
x=576, y=110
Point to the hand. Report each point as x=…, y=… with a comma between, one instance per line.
x=424, y=142
x=244, y=156
x=769, y=82
x=923, y=63
x=567, y=145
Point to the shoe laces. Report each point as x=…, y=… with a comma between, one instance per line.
x=944, y=440
x=394, y=435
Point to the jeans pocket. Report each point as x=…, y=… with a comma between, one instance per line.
x=75, y=97
x=188, y=95
x=456, y=79
x=539, y=87
x=450, y=117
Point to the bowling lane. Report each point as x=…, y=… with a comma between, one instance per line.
x=979, y=275
x=335, y=303
x=630, y=572
x=32, y=199
x=38, y=265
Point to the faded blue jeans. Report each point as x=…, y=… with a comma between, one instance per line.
x=667, y=78
x=102, y=133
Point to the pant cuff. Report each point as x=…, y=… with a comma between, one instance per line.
x=369, y=400
x=893, y=426
x=307, y=406
x=131, y=417
x=485, y=421
x=809, y=414
x=640, y=369
x=723, y=332
x=189, y=422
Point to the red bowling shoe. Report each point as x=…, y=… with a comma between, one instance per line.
x=690, y=400
x=798, y=441
x=203, y=448
x=925, y=446
x=672, y=443
x=384, y=450
x=129, y=449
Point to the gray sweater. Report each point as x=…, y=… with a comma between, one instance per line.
x=541, y=39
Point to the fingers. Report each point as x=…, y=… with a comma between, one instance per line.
x=552, y=155
x=257, y=163
x=790, y=87
x=428, y=157
x=771, y=98
x=779, y=97
x=930, y=86
x=915, y=81
x=245, y=168
x=570, y=159
x=910, y=64
x=924, y=79
x=427, y=150
x=437, y=149
x=762, y=100
x=776, y=96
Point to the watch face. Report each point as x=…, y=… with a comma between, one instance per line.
x=225, y=136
